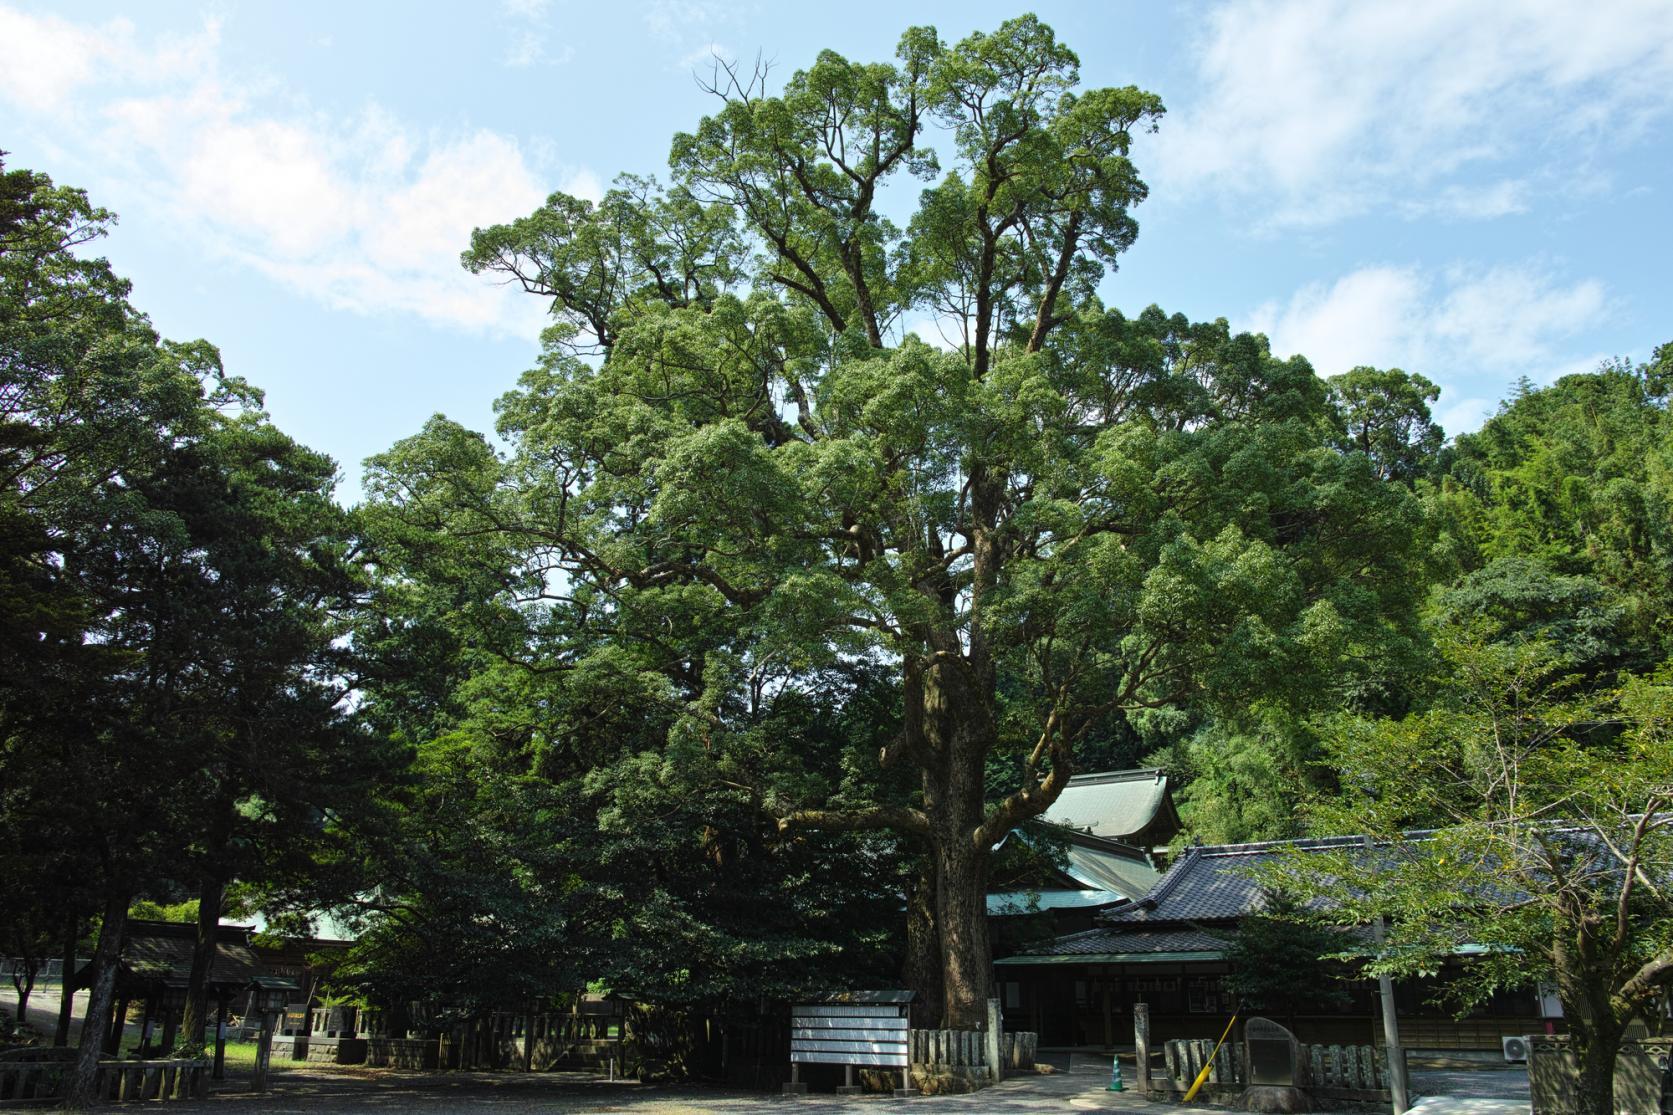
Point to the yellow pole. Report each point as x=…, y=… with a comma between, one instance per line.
x=1202, y=1076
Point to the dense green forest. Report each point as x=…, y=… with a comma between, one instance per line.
x=719, y=673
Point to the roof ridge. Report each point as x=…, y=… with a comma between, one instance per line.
x=1134, y=774
x=1170, y=879
x=1303, y=842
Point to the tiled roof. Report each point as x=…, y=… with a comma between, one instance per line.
x=1212, y=882
x=1031, y=901
x=1109, y=868
x=153, y=951
x=1130, y=944
x=1120, y=804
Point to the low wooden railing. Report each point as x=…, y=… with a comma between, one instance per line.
x=44, y=1080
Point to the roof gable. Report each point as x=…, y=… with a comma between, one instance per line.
x=1132, y=805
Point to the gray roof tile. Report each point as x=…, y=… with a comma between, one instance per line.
x=1134, y=942
x=1212, y=883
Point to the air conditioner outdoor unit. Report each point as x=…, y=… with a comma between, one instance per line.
x=1516, y=1050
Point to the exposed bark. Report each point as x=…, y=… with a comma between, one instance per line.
x=24, y=982
x=67, y=989
x=955, y=703
x=961, y=915
x=1594, y=1090
x=84, y=1079
x=922, y=968
x=203, y=960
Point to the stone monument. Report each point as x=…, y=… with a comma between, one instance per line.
x=1272, y=1054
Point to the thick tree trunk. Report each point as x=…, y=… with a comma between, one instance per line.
x=84, y=1080
x=922, y=968
x=961, y=913
x=958, y=726
x=67, y=989
x=1594, y=1091
x=203, y=961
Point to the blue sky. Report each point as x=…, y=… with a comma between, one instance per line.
x=1476, y=191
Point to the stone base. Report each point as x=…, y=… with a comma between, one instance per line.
x=949, y=1080
x=289, y=1047
x=849, y=1089
x=336, y=1051
x=401, y=1053
x=1275, y=1098
x=797, y=1089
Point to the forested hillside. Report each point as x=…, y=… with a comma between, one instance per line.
x=1552, y=523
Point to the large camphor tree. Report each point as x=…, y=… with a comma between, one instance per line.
x=738, y=464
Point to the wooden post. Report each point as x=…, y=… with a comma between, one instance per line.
x=264, y=1051
x=113, y=1040
x=171, y=1027
x=1109, y=1022
x=221, y=1036
x=146, y=1021
x=1141, y=1044
x=996, y=1022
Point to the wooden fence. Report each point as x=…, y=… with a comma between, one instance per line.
x=1336, y=1068
x=44, y=1081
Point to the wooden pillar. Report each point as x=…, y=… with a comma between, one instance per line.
x=147, y=1022
x=264, y=1052
x=1109, y=1022
x=221, y=1036
x=113, y=1039
x=1141, y=1043
x=171, y=1027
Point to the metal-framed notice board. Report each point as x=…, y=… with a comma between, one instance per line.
x=869, y=1029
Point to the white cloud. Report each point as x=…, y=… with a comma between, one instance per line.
x=361, y=212
x=529, y=42
x=1367, y=317
x=670, y=19
x=1315, y=110
x=1472, y=330
x=528, y=48
x=1474, y=202
x=1512, y=316
x=702, y=59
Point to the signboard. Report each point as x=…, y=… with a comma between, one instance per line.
x=858, y=1028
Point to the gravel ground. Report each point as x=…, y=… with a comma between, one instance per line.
x=1079, y=1085
x=319, y=1089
